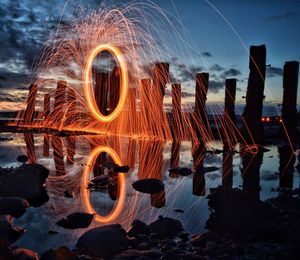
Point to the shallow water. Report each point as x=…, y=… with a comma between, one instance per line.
x=68, y=158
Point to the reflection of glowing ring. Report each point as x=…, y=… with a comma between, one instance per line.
x=85, y=193
x=88, y=88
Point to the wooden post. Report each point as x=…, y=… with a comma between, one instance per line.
x=71, y=103
x=46, y=147
x=114, y=88
x=227, y=168
x=287, y=160
x=46, y=105
x=58, y=155
x=175, y=157
x=176, y=118
x=29, y=141
x=101, y=92
x=59, y=101
x=132, y=110
x=30, y=108
x=253, y=128
x=289, y=103
x=200, y=115
x=71, y=148
x=145, y=106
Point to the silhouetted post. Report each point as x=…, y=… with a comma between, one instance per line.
x=71, y=148
x=29, y=141
x=200, y=115
x=175, y=156
x=59, y=101
x=229, y=119
x=58, y=155
x=30, y=108
x=46, y=105
x=250, y=172
x=287, y=160
x=158, y=200
x=289, y=103
x=145, y=105
x=46, y=147
x=176, y=122
x=160, y=78
x=253, y=126
x=198, y=153
x=101, y=92
x=114, y=88
x=71, y=103
x=227, y=167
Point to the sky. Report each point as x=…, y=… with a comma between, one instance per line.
x=221, y=32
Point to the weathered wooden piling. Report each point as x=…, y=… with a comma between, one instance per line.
x=132, y=118
x=46, y=146
x=114, y=88
x=253, y=127
x=29, y=141
x=101, y=92
x=176, y=117
x=59, y=101
x=46, y=105
x=200, y=115
x=289, y=103
x=198, y=153
x=227, y=168
x=30, y=108
x=287, y=160
x=175, y=157
x=145, y=106
x=71, y=148
x=58, y=155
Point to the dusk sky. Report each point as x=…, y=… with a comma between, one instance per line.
x=25, y=25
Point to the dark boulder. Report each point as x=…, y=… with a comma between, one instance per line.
x=104, y=241
x=22, y=158
x=149, y=186
x=76, y=220
x=138, y=228
x=61, y=253
x=166, y=227
x=13, y=206
x=8, y=233
x=183, y=171
x=293, y=233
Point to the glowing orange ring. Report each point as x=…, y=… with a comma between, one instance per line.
x=88, y=88
x=85, y=193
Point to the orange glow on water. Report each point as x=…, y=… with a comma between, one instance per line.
x=85, y=193
x=88, y=88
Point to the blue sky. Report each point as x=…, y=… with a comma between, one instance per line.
x=25, y=25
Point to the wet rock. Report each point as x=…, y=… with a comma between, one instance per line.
x=26, y=181
x=24, y=254
x=104, y=241
x=124, y=168
x=166, y=227
x=69, y=194
x=138, y=228
x=210, y=169
x=139, y=254
x=8, y=233
x=13, y=206
x=76, y=220
x=62, y=253
x=22, y=158
x=149, y=186
x=183, y=171
x=52, y=232
x=179, y=210
x=293, y=233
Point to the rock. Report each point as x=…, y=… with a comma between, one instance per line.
x=76, y=220
x=26, y=181
x=8, y=233
x=166, y=227
x=183, y=171
x=149, y=186
x=124, y=168
x=104, y=241
x=5, y=251
x=179, y=210
x=52, y=232
x=139, y=254
x=24, y=254
x=69, y=194
x=293, y=233
x=62, y=253
x=13, y=206
x=99, y=182
x=22, y=158
x=138, y=228
x=210, y=169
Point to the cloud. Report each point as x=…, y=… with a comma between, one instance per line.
x=206, y=54
x=217, y=67
x=215, y=86
x=231, y=73
x=280, y=16
x=274, y=72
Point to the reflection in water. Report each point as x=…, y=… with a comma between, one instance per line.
x=71, y=147
x=250, y=172
x=227, y=169
x=46, y=146
x=58, y=155
x=28, y=137
x=287, y=160
x=175, y=157
x=85, y=193
x=198, y=152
